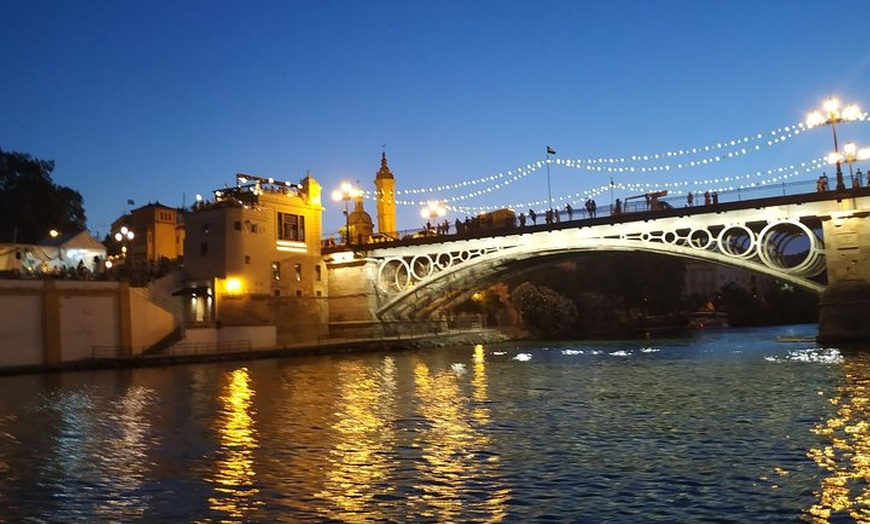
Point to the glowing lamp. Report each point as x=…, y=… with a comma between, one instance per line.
x=233, y=286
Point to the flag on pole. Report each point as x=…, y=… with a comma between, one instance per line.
x=551, y=151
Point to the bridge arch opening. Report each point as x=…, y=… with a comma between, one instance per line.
x=737, y=241
x=792, y=247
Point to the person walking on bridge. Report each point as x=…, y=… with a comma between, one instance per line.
x=570, y=211
x=533, y=216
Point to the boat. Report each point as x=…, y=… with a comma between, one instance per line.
x=790, y=338
x=708, y=319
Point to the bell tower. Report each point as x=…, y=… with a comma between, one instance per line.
x=385, y=186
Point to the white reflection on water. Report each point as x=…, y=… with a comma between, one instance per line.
x=104, y=443
x=234, y=488
x=455, y=452
x=360, y=462
x=845, y=459
x=810, y=355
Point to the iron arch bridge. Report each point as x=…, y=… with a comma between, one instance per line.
x=781, y=237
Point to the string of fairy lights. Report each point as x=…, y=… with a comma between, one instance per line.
x=671, y=161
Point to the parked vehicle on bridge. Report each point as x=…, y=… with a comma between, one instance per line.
x=651, y=202
x=498, y=219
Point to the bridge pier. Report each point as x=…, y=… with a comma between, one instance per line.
x=844, y=309
x=354, y=299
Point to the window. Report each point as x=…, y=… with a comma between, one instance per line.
x=317, y=272
x=203, y=248
x=247, y=259
x=237, y=225
x=319, y=293
x=291, y=227
x=254, y=228
x=298, y=292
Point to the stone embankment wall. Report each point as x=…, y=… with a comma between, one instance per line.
x=49, y=322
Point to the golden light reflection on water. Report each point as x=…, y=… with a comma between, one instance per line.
x=360, y=460
x=234, y=468
x=454, y=451
x=845, y=488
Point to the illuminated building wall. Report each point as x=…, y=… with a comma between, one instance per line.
x=158, y=232
x=256, y=249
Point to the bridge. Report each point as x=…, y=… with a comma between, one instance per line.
x=818, y=241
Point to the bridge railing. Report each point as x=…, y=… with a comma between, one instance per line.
x=708, y=198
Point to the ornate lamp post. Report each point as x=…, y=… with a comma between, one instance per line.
x=851, y=153
x=832, y=115
x=123, y=236
x=346, y=191
x=433, y=209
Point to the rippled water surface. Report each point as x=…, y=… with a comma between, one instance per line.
x=727, y=426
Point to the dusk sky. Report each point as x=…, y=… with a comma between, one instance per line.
x=152, y=100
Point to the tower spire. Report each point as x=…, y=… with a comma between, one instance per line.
x=385, y=186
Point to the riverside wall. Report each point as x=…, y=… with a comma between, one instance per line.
x=50, y=322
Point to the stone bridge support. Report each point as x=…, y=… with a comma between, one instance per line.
x=844, y=309
x=354, y=298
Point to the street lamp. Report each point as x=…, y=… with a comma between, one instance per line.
x=346, y=191
x=832, y=115
x=850, y=154
x=123, y=236
x=433, y=209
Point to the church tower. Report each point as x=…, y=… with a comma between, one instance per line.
x=385, y=186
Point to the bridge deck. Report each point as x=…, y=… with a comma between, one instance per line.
x=634, y=216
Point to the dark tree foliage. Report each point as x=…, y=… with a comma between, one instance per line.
x=31, y=204
x=645, y=282
x=544, y=311
x=777, y=305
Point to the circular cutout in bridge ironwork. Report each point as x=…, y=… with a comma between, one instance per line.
x=421, y=267
x=394, y=276
x=444, y=260
x=737, y=241
x=700, y=238
x=792, y=247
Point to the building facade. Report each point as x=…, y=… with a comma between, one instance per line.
x=253, y=259
x=157, y=233
x=706, y=280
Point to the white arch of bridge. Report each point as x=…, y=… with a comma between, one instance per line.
x=417, y=281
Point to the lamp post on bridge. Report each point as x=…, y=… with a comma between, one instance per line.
x=433, y=209
x=832, y=115
x=346, y=191
x=851, y=153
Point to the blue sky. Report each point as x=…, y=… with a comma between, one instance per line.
x=152, y=100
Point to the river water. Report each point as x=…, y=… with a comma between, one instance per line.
x=720, y=426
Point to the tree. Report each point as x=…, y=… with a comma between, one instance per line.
x=31, y=204
x=544, y=311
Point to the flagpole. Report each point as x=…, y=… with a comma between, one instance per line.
x=611, y=194
x=549, y=194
